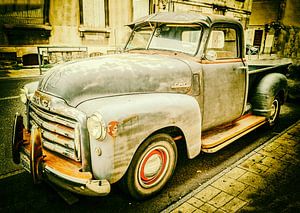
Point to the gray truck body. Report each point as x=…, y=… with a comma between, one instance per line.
x=140, y=93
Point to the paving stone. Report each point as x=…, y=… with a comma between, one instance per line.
x=207, y=194
x=246, y=164
x=248, y=208
x=290, y=159
x=286, y=142
x=293, y=131
x=271, y=162
x=286, y=150
x=228, y=185
x=221, y=199
x=272, y=171
x=274, y=154
x=184, y=208
x=234, y=205
x=252, y=179
x=256, y=158
x=195, y=202
x=235, y=173
x=254, y=167
x=199, y=211
x=208, y=208
x=287, y=136
x=219, y=211
x=245, y=195
x=271, y=147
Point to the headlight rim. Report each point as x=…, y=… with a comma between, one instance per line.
x=102, y=135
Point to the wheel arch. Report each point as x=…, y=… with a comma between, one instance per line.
x=139, y=117
x=177, y=135
x=270, y=86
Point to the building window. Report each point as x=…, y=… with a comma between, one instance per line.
x=20, y=12
x=24, y=22
x=94, y=13
x=141, y=8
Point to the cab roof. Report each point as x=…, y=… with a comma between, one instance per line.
x=182, y=18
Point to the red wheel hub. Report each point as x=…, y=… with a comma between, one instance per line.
x=153, y=167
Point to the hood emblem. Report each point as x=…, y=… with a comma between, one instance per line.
x=41, y=101
x=180, y=85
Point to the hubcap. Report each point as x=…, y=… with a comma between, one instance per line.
x=153, y=166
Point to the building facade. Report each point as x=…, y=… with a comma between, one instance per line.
x=98, y=25
x=274, y=27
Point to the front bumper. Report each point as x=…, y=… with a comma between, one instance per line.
x=44, y=165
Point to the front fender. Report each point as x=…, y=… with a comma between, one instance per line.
x=271, y=85
x=131, y=119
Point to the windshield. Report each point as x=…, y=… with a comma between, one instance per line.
x=181, y=38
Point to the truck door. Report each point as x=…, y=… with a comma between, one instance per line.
x=224, y=76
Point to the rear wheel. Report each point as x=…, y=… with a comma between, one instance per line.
x=275, y=111
x=151, y=167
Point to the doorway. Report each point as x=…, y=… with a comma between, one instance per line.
x=258, y=34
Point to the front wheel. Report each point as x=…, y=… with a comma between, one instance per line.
x=152, y=166
x=275, y=111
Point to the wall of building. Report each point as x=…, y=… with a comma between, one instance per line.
x=240, y=9
x=96, y=24
x=264, y=11
x=99, y=24
x=292, y=13
x=280, y=22
x=64, y=20
x=99, y=33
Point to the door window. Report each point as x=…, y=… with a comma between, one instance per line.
x=222, y=43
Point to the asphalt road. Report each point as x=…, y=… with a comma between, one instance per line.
x=18, y=194
x=9, y=104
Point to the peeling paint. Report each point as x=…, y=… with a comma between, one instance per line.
x=112, y=128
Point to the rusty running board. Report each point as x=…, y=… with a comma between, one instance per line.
x=213, y=141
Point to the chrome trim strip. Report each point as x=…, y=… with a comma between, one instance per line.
x=53, y=118
x=51, y=126
x=58, y=139
x=64, y=176
x=59, y=149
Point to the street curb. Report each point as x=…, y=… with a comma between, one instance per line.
x=16, y=172
x=220, y=174
x=20, y=77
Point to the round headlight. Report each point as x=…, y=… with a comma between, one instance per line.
x=96, y=126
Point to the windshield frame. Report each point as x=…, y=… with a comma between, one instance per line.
x=153, y=28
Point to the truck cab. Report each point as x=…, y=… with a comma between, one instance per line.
x=182, y=78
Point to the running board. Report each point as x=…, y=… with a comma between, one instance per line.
x=213, y=141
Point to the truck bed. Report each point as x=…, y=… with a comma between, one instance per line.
x=259, y=68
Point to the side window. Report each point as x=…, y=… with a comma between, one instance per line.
x=223, y=43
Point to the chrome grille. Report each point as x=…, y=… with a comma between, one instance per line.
x=59, y=134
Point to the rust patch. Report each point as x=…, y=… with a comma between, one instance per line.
x=112, y=128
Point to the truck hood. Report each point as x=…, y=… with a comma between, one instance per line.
x=118, y=74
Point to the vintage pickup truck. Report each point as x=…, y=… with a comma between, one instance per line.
x=182, y=79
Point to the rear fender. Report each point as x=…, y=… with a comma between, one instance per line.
x=133, y=119
x=271, y=85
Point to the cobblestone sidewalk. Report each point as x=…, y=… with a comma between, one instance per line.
x=234, y=189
